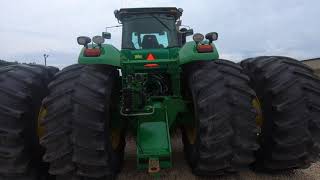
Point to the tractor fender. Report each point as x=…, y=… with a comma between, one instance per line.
x=188, y=53
x=110, y=55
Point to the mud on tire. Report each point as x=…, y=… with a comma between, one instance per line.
x=22, y=88
x=225, y=118
x=289, y=93
x=77, y=124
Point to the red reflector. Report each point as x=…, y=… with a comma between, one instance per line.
x=92, y=52
x=150, y=57
x=204, y=48
x=151, y=65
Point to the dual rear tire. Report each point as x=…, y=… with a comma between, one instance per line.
x=225, y=118
x=22, y=88
x=289, y=93
x=224, y=137
x=78, y=124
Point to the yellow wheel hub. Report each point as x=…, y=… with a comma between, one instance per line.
x=42, y=114
x=191, y=133
x=257, y=106
x=115, y=137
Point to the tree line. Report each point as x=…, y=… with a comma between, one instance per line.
x=7, y=63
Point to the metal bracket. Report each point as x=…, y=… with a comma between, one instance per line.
x=138, y=114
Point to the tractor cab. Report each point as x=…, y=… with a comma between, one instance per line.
x=150, y=28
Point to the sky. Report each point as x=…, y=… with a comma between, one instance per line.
x=247, y=28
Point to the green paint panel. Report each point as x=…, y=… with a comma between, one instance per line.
x=153, y=141
x=110, y=55
x=151, y=132
x=188, y=53
x=141, y=54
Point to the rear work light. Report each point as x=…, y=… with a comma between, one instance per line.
x=92, y=52
x=204, y=48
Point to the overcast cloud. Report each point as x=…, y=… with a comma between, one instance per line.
x=247, y=28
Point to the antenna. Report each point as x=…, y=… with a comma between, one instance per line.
x=45, y=58
x=112, y=27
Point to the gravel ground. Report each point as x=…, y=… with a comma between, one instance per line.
x=181, y=170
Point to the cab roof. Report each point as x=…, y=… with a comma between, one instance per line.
x=120, y=14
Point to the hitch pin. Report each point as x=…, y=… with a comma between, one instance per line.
x=154, y=166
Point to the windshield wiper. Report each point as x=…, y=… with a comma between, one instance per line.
x=161, y=22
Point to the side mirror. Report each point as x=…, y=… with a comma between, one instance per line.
x=106, y=35
x=189, y=32
x=213, y=36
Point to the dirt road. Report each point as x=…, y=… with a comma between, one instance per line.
x=181, y=171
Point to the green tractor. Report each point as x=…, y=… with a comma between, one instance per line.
x=263, y=112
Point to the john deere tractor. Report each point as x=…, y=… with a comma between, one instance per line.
x=263, y=112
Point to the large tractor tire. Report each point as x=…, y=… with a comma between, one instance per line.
x=22, y=88
x=79, y=141
x=289, y=93
x=223, y=138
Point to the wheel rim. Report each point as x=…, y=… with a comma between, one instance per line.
x=191, y=134
x=259, y=117
x=115, y=138
x=40, y=128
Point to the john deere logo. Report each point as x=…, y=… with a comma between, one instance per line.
x=138, y=56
